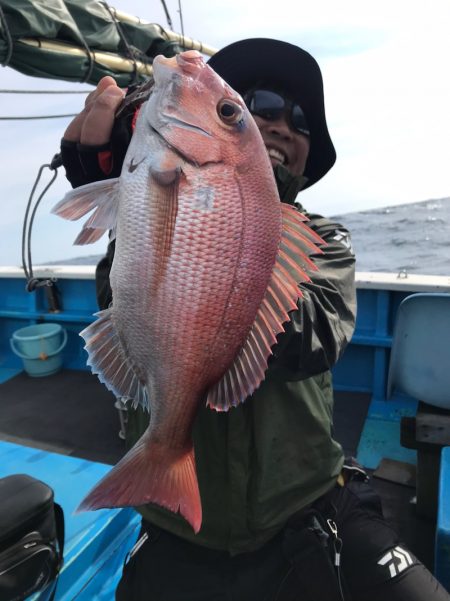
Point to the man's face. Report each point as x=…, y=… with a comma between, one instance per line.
x=285, y=145
x=283, y=128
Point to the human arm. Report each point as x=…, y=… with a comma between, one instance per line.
x=93, y=148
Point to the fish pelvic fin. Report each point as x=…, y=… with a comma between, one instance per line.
x=283, y=292
x=109, y=361
x=103, y=196
x=151, y=473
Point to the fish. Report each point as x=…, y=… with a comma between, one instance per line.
x=208, y=264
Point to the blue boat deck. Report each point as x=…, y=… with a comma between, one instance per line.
x=64, y=428
x=95, y=542
x=72, y=415
x=69, y=412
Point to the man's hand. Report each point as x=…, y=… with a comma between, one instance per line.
x=93, y=126
x=94, y=144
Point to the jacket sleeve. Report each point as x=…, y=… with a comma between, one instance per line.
x=321, y=328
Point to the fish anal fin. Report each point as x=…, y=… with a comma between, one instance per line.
x=108, y=359
x=283, y=293
x=151, y=473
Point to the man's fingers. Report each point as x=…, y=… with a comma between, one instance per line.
x=99, y=118
x=73, y=131
x=102, y=85
x=105, y=100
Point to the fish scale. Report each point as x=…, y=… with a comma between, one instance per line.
x=207, y=266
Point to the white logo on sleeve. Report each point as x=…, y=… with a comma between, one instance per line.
x=344, y=238
x=397, y=560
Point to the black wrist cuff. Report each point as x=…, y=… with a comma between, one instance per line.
x=89, y=159
x=71, y=163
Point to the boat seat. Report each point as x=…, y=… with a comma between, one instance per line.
x=420, y=367
x=420, y=356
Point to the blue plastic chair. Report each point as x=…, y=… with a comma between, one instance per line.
x=420, y=367
x=420, y=355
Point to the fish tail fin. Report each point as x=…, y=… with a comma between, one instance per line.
x=151, y=473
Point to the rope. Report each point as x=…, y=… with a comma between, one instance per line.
x=180, y=11
x=45, y=91
x=35, y=117
x=90, y=55
x=9, y=40
x=169, y=20
x=130, y=52
x=27, y=264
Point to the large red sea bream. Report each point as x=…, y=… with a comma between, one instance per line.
x=206, y=268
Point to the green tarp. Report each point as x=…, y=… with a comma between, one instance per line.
x=84, y=24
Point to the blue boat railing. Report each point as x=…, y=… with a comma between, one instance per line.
x=362, y=369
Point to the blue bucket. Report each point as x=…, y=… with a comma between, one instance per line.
x=40, y=347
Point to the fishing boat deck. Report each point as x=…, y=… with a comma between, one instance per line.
x=71, y=413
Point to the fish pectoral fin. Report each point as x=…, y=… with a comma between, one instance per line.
x=151, y=473
x=165, y=168
x=110, y=362
x=282, y=295
x=102, y=196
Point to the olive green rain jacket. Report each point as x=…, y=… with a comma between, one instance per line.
x=260, y=462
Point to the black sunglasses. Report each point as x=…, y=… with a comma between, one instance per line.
x=271, y=106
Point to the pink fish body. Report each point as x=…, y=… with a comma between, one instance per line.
x=206, y=269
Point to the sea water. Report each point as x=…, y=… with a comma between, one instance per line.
x=408, y=238
x=411, y=238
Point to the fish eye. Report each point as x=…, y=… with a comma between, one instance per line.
x=230, y=112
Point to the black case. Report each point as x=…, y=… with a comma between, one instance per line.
x=31, y=537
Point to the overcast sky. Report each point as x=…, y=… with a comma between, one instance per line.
x=387, y=87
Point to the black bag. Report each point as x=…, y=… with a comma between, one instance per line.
x=31, y=537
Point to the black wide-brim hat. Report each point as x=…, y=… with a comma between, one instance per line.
x=247, y=63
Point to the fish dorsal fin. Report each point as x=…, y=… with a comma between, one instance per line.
x=103, y=196
x=291, y=269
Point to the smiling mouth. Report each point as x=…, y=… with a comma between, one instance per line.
x=278, y=156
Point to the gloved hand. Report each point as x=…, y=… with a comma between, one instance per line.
x=94, y=147
x=94, y=144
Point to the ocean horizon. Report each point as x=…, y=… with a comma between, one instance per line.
x=406, y=238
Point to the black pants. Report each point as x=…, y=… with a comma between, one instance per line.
x=297, y=565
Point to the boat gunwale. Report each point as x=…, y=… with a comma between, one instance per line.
x=411, y=282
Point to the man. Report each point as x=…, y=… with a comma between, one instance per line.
x=282, y=518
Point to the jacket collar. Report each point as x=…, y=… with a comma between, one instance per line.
x=288, y=185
